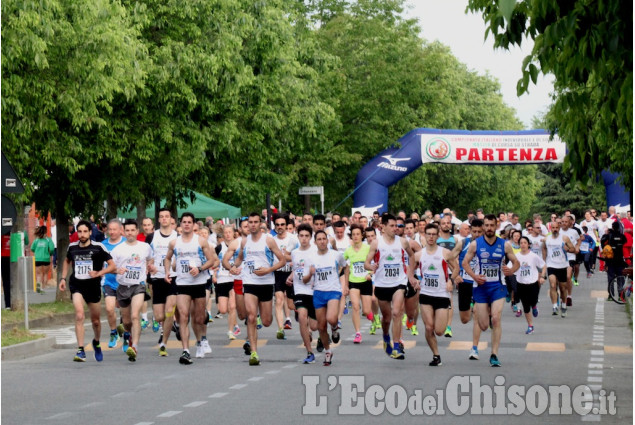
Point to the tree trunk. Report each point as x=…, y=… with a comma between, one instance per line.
x=17, y=287
x=111, y=208
x=141, y=211
x=62, y=224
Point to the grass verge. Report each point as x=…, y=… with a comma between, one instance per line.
x=17, y=335
x=12, y=319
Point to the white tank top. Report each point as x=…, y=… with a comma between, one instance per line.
x=391, y=269
x=556, y=255
x=189, y=255
x=257, y=255
x=159, y=247
x=342, y=244
x=434, y=273
x=223, y=275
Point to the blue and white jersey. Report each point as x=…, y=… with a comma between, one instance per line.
x=111, y=278
x=159, y=245
x=491, y=259
x=257, y=255
x=473, y=264
x=189, y=255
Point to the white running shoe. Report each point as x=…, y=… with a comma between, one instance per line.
x=206, y=348
x=200, y=352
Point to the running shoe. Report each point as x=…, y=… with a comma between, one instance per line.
x=436, y=361
x=373, y=329
x=563, y=312
x=209, y=317
x=339, y=324
x=132, y=354
x=328, y=359
x=588, y=275
x=473, y=354
x=530, y=330
x=114, y=338
x=126, y=341
x=236, y=330
x=231, y=335
x=508, y=298
x=519, y=312
x=80, y=356
x=387, y=346
x=514, y=308
x=493, y=361
x=247, y=348
x=335, y=336
x=200, y=354
x=163, y=352
x=575, y=281
x=155, y=326
x=176, y=330
x=555, y=311
x=404, y=319
x=401, y=347
x=99, y=356
x=258, y=323
x=206, y=348
x=144, y=324
x=320, y=346
x=218, y=315
x=448, y=332
x=569, y=302
x=206, y=319
x=120, y=329
x=345, y=309
x=287, y=324
x=280, y=334
x=185, y=358
x=414, y=331
x=409, y=324
x=534, y=311
x=397, y=354
x=358, y=338
x=310, y=358
x=254, y=360
x=160, y=337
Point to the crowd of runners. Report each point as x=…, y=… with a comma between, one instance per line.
x=387, y=269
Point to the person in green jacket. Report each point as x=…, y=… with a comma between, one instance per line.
x=42, y=247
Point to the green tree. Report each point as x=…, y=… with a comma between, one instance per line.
x=588, y=47
x=64, y=66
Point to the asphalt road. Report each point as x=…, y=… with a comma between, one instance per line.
x=591, y=347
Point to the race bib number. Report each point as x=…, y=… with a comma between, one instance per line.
x=83, y=269
x=525, y=271
x=299, y=273
x=431, y=281
x=555, y=253
x=391, y=270
x=358, y=269
x=322, y=275
x=132, y=275
x=491, y=273
x=184, y=266
x=584, y=247
x=250, y=266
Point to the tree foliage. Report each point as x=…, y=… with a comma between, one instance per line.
x=588, y=47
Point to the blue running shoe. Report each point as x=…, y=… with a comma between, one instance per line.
x=345, y=309
x=144, y=324
x=387, y=345
x=126, y=341
x=99, y=356
x=310, y=358
x=80, y=356
x=114, y=338
x=493, y=361
x=155, y=326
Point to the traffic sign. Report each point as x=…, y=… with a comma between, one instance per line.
x=10, y=181
x=311, y=190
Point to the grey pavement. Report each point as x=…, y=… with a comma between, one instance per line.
x=592, y=346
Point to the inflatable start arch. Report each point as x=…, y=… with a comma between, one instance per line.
x=427, y=145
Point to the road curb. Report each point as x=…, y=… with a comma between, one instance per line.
x=28, y=349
